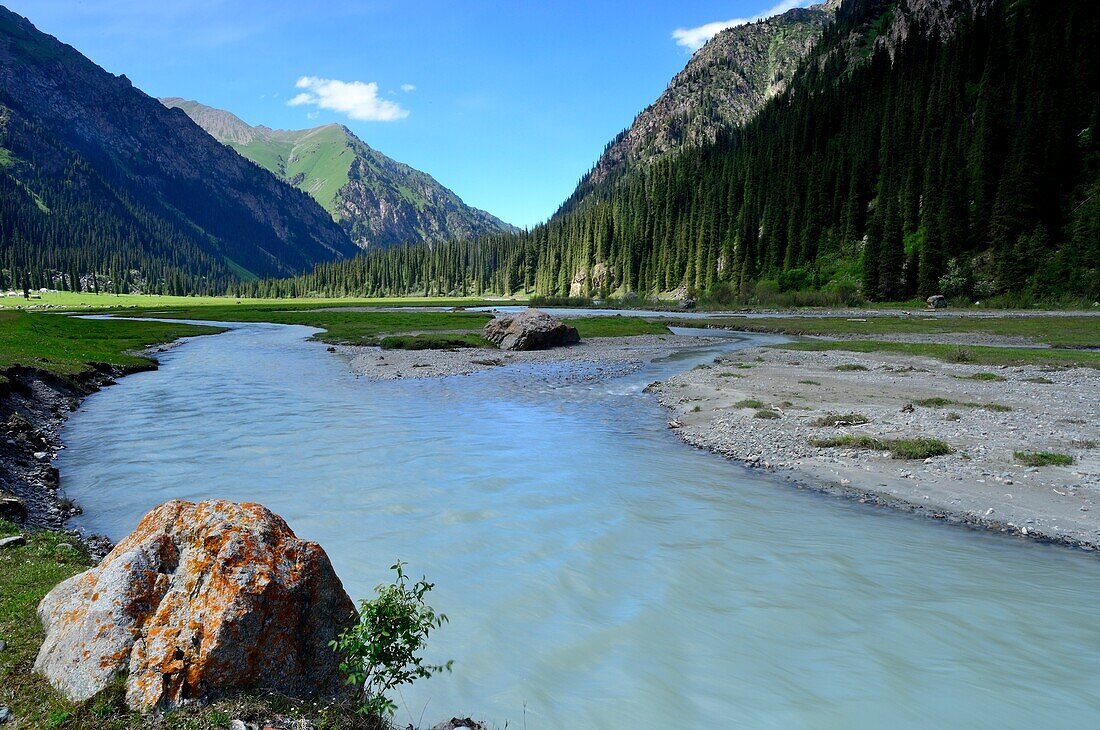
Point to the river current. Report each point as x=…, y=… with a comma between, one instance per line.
x=596, y=571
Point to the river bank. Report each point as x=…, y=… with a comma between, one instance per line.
x=766, y=408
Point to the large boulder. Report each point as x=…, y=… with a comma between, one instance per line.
x=531, y=329
x=201, y=600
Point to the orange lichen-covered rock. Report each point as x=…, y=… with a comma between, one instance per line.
x=202, y=599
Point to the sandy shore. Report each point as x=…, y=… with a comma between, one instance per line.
x=614, y=355
x=1056, y=410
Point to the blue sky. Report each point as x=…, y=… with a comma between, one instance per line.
x=506, y=103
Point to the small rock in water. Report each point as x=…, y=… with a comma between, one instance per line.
x=40, y=455
x=13, y=541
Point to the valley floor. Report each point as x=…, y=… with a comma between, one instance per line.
x=763, y=407
x=612, y=355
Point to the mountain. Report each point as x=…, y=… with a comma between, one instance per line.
x=921, y=147
x=96, y=176
x=723, y=86
x=378, y=201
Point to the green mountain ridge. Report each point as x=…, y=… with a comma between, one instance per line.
x=378, y=201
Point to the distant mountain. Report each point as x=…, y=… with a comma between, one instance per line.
x=378, y=201
x=723, y=86
x=96, y=176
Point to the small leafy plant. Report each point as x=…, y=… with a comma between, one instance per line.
x=382, y=651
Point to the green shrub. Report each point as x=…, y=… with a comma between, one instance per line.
x=912, y=448
x=1043, y=458
x=766, y=413
x=836, y=420
x=850, y=367
x=382, y=651
x=749, y=403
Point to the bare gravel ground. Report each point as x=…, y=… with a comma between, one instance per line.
x=617, y=355
x=981, y=483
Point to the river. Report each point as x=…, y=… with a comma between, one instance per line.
x=596, y=571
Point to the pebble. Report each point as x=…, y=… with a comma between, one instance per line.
x=5, y=715
x=3, y=645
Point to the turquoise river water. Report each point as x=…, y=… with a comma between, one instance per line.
x=597, y=572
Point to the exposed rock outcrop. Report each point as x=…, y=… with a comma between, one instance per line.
x=723, y=86
x=199, y=601
x=531, y=329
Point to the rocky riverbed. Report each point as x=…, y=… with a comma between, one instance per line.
x=614, y=355
x=763, y=407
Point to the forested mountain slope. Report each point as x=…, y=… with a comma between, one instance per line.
x=924, y=146
x=95, y=176
x=378, y=201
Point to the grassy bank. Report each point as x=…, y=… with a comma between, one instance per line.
x=965, y=354
x=68, y=346
x=350, y=327
x=1067, y=331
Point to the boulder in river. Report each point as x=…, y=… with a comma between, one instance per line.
x=936, y=301
x=199, y=601
x=531, y=329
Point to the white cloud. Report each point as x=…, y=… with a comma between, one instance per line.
x=356, y=99
x=408, y=87
x=694, y=38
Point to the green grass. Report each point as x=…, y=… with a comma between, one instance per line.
x=1043, y=458
x=766, y=413
x=616, y=326
x=913, y=448
x=442, y=341
x=341, y=326
x=977, y=355
x=809, y=382
x=851, y=368
x=835, y=420
x=69, y=346
x=944, y=402
x=749, y=403
x=1068, y=331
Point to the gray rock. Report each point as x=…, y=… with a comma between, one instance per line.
x=12, y=508
x=531, y=329
x=201, y=600
x=936, y=301
x=3, y=645
x=456, y=723
x=242, y=725
x=41, y=456
x=5, y=715
x=13, y=541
